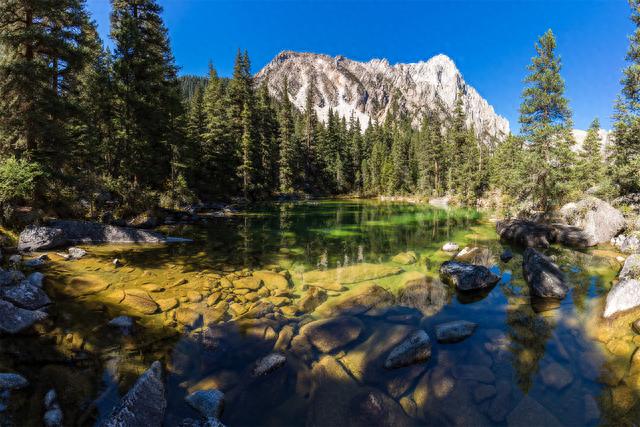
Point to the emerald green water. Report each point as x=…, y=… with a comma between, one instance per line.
x=557, y=363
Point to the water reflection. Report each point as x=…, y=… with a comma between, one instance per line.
x=527, y=361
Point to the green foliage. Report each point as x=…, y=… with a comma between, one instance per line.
x=626, y=151
x=546, y=124
x=18, y=180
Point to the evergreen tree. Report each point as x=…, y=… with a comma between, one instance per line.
x=42, y=53
x=288, y=149
x=626, y=150
x=546, y=124
x=309, y=138
x=148, y=105
x=248, y=164
x=268, y=140
x=591, y=165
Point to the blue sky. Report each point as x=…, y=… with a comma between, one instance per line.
x=490, y=41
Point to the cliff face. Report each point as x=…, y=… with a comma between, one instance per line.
x=370, y=90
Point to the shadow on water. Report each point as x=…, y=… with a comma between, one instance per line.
x=522, y=351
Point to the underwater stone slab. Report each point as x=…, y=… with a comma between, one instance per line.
x=554, y=375
x=358, y=300
x=479, y=373
x=208, y=403
x=530, y=413
x=422, y=293
x=328, y=335
x=405, y=258
x=250, y=282
x=268, y=364
x=455, y=331
x=140, y=301
x=351, y=274
x=273, y=281
x=416, y=348
x=144, y=404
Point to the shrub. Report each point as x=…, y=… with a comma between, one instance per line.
x=18, y=180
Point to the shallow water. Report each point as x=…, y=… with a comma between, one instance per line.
x=527, y=363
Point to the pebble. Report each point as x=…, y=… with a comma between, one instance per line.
x=9, y=381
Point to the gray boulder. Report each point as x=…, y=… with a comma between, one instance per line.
x=328, y=335
x=35, y=238
x=467, y=277
x=627, y=243
x=532, y=234
x=544, y=277
x=15, y=319
x=598, y=219
x=10, y=277
x=415, y=348
x=622, y=296
x=631, y=268
x=36, y=279
x=25, y=295
x=454, y=331
x=144, y=404
x=9, y=381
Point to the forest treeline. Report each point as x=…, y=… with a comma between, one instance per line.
x=84, y=129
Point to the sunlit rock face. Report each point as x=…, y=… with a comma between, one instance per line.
x=371, y=90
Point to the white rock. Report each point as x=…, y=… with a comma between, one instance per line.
x=624, y=295
x=450, y=247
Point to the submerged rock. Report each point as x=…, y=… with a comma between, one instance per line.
x=405, y=258
x=544, y=277
x=312, y=299
x=208, y=403
x=455, y=331
x=15, y=319
x=9, y=381
x=422, y=293
x=328, y=335
x=350, y=274
x=374, y=408
x=506, y=256
x=273, y=281
x=554, y=375
x=144, y=404
x=530, y=413
x=36, y=279
x=268, y=364
x=467, y=277
x=598, y=219
x=358, y=300
x=415, y=348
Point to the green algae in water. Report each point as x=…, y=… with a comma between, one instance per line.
x=519, y=349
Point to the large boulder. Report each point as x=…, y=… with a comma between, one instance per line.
x=532, y=234
x=25, y=295
x=544, y=277
x=467, y=277
x=144, y=404
x=63, y=232
x=598, y=219
x=627, y=243
x=36, y=238
x=15, y=319
x=625, y=294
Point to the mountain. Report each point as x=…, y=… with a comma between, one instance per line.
x=371, y=90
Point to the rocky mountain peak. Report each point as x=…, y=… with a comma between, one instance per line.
x=371, y=90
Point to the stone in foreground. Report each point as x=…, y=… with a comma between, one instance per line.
x=530, y=413
x=544, y=277
x=9, y=381
x=208, y=403
x=14, y=319
x=144, y=404
x=623, y=296
x=631, y=268
x=456, y=331
x=467, y=277
x=268, y=364
x=598, y=219
x=25, y=295
x=415, y=348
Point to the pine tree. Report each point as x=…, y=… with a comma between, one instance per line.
x=546, y=124
x=591, y=165
x=288, y=149
x=310, y=139
x=148, y=105
x=42, y=52
x=218, y=153
x=268, y=140
x=248, y=165
x=626, y=150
